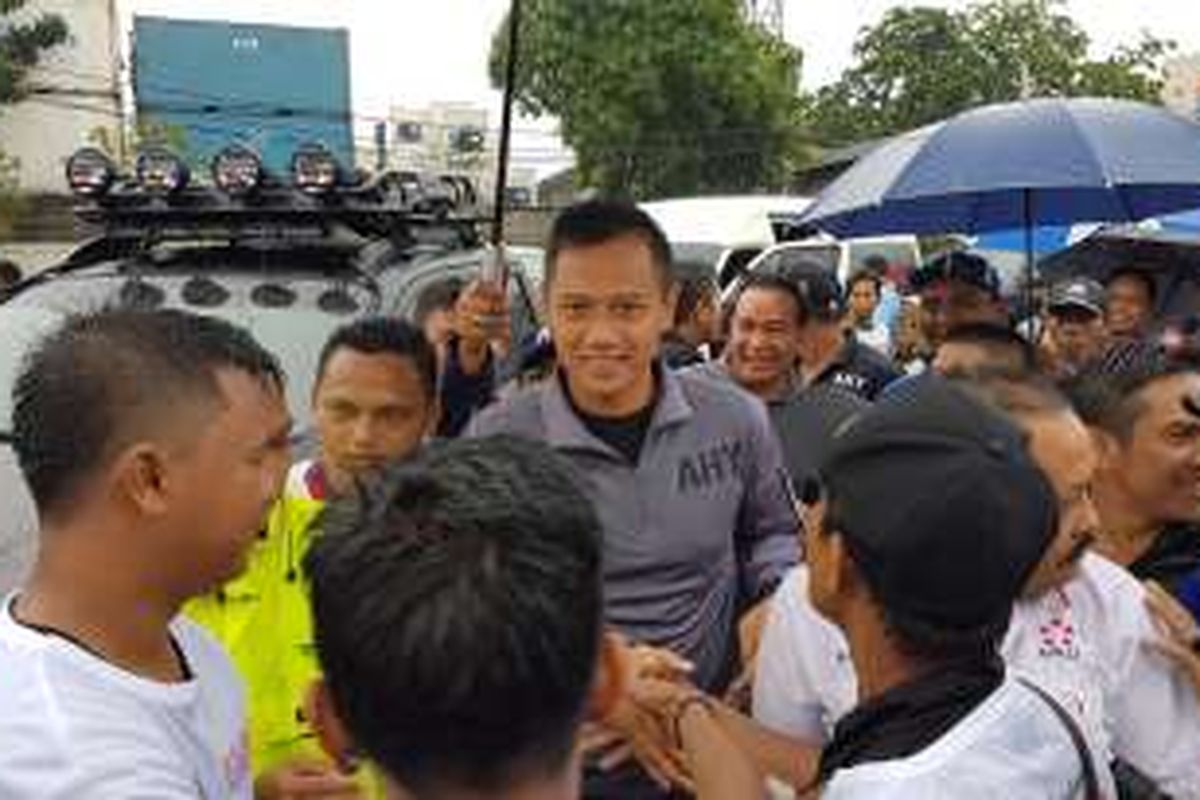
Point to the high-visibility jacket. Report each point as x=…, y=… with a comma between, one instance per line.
x=264, y=621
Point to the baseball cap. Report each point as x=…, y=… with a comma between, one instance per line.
x=820, y=292
x=942, y=508
x=1083, y=293
x=969, y=268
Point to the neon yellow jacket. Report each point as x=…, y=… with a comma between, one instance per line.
x=264, y=621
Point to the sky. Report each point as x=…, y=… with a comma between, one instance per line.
x=411, y=52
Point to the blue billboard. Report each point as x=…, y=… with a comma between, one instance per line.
x=268, y=87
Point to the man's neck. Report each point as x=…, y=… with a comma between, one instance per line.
x=87, y=590
x=826, y=346
x=879, y=664
x=1126, y=532
x=625, y=404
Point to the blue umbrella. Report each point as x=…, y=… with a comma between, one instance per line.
x=1020, y=165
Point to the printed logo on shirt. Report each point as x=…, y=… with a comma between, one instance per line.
x=710, y=467
x=1056, y=634
x=848, y=380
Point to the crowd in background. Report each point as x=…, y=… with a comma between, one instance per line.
x=841, y=541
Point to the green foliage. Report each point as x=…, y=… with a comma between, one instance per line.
x=920, y=65
x=660, y=97
x=22, y=45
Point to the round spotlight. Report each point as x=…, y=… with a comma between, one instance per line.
x=160, y=171
x=90, y=173
x=315, y=170
x=237, y=170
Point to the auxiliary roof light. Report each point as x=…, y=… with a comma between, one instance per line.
x=160, y=171
x=90, y=173
x=237, y=170
x=315, y=171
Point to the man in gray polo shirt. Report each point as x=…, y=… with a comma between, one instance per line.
x=685, y=472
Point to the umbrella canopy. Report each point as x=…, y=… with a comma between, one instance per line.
x=1174, y=263
x=1020, y=165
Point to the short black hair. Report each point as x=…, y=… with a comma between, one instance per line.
x=867, y=276
x=104, y=379
x=1008, y=349
x=771, y=282
x=595, y=222
x=385, y=335
x=457, y=609
x=1015, y=394
x=1106, y=393
x=692, y=289
x=1142, y=276
x=10, y=273
x=441, y=295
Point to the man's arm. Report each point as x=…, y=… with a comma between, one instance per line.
x=769, y=526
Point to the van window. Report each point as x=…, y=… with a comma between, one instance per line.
x=901, y=256
x=787, y=258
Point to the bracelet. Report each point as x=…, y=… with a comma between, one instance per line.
x=696, y=699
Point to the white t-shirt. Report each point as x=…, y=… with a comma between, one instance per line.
x=1012, y=745
x=1084, y=643
x=74, y=727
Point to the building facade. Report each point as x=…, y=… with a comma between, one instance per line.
x=76, y=93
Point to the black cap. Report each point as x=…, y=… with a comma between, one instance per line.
x=969, y=268
x=820, y=293
x=943, y=510
x=1082, y=293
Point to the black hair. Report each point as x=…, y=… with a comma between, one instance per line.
x=440, y=295
x=10, y=273
x=457, y=609
x=1009, y=350
x=106, y=378
x=692, y=289
x=1015, y=393
x=385, y=335
x=1140, y=275
x=1107, y=392
x=596, y=222
x=864, y=275
x=772, y=282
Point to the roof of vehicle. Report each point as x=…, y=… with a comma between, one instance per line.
x=731, y=221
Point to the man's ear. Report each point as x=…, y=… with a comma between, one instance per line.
x=611, y=679
x=140, y=476
x=1108, y=449
x=332, y=735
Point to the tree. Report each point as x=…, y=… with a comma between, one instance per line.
x=659, y=97
x=920, y=65
x=22, y=44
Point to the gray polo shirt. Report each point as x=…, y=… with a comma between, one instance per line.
x=697, y=529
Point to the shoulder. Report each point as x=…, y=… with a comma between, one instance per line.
x=720, y=401
x=518, y=413
x=1013, y=737
x=70, y=732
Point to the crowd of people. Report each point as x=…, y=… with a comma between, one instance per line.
x=862, y=541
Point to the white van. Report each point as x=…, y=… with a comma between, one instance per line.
x=725, y=232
